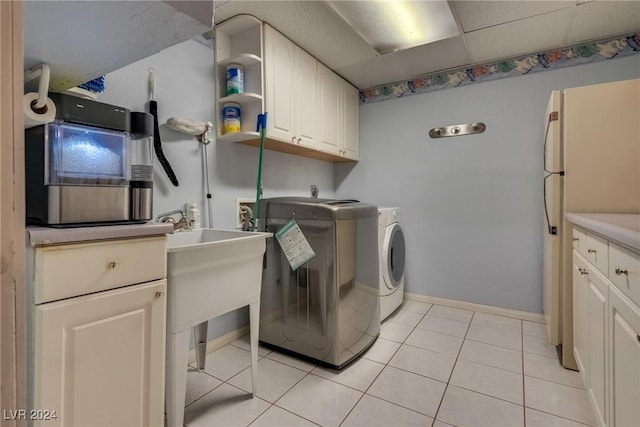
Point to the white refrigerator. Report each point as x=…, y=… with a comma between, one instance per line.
x=591, y=164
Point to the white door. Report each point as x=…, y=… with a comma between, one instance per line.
x=330, y=111
x=279, y=78
x=601, y=137
x=351, y=118
x=552, y=221
x=99, y=358
x=624, y=357
x=597, y=300
x=581, y=316
x=306, y=99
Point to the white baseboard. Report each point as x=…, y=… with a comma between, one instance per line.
x=221, y=341
x=500, y=311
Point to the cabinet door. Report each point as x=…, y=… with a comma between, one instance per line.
x=279, y=78
x=624, y=356
x=99, y=359
x=580, y=315
x=306, y=99
x=598, y=359
x=330, y=110
x=351, y=117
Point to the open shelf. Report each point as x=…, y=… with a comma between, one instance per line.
x=239, y=136
x=241, y=98
x=244, y=59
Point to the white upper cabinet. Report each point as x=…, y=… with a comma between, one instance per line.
x=338, y=115
x=305, y=98
x=279, y=85
x=290, y=91
x=351, y=115
x=311, y=111
x=330, y=110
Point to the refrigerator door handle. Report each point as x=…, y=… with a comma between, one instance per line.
x=551, y=229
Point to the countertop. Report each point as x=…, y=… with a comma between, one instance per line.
x=42, y=236
x=623, y=228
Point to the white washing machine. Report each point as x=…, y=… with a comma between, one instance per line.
x=392, y=259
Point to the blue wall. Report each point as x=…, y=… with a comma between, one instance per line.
x=471, y=206
x=184, y=88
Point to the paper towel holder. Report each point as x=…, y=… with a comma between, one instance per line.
x=44, y=72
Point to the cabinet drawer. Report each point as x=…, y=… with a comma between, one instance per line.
x=69, y=270
x=624, y=271
x=580, y=241
x=597, y=252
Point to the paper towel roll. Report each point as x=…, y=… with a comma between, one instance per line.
x=31, y=118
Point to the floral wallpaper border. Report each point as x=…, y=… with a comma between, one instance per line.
x=555, y=58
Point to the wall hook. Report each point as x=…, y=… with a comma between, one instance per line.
x=457, y=130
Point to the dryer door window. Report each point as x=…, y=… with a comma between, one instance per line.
x=394, y=255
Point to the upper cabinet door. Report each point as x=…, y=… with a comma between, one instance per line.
x=330, y=110
x=279, y=78
x=351, y=117
x=306, y=98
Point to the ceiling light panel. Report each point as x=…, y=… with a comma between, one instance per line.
x=393, y=25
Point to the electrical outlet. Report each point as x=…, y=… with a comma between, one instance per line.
x=240, y=217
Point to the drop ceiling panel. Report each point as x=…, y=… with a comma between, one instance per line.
x=520, y=37
x=408, y=63
x=475, y=15
x=604, y=18
x=312, y=25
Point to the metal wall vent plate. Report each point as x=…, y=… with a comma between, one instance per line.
x=457, y=130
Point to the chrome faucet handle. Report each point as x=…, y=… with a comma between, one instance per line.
x=168, y=218
x=163, y=216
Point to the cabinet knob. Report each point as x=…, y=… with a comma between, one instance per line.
x=113, y=265
x=293, y=139
x=619, y=271
x=591, y=251
x=583, y=271
x=159, y=294
x=576, y=239
x=299, y=140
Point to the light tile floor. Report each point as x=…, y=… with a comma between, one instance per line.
x=431, y=366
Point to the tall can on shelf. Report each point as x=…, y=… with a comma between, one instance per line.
x=235, y=79
x=231, y=118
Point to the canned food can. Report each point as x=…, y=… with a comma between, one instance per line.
x=231, y=118
x=235, y=79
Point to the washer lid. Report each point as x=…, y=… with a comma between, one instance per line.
x=393, y=256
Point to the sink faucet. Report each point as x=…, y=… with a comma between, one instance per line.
x=181, y=225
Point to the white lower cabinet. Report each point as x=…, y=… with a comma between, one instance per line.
x=97, y=349
x=99, y=359
x=580, y=315
x=597, y=335
x=607, y=330
x=590, y=294
x=624, y=354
